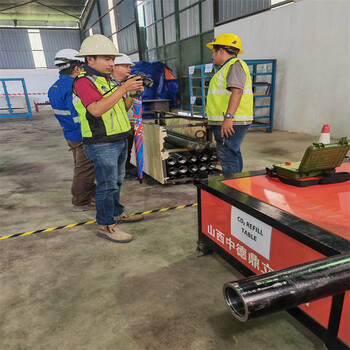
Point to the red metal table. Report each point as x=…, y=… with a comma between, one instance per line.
x=259, y=224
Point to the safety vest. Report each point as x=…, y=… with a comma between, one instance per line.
x=218, y=96
x=112, y=125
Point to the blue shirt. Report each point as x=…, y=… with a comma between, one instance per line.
x=61, y=100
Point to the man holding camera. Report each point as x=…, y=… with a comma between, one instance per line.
x=105, y=128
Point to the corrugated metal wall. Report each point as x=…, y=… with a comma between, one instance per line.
x=55, y=40
x=16, y=51
x=229, y=10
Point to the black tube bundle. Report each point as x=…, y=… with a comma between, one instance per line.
x=284, y=289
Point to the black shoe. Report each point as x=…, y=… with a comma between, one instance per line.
x=130, y=177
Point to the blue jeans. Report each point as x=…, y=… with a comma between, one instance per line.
x=229, y=148
x=109, y=163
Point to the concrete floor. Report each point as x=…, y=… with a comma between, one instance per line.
x=69, y=289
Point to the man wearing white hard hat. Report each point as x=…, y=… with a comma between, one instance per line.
x=105, y=127
x=121, y=71
x=61, y=100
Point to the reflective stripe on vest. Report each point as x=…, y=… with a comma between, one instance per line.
x=62, y=112
x=218, y=96
x=115, y=121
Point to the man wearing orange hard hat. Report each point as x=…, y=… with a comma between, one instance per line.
x=229, y=101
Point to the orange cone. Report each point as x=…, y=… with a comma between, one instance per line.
x=325, y=136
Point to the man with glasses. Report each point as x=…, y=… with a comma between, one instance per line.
x=61, y=100
x=121, y=71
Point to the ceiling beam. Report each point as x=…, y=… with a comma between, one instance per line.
x=53, y=8
x=14, y=6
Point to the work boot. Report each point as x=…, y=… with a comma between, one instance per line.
x=114, y=234
x=86, y=207
x=125, y=218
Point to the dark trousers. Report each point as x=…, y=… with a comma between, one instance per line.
x=83, y=184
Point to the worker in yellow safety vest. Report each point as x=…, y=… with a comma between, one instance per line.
x=105, y=127
x=229, y=101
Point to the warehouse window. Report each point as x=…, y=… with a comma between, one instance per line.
x=185, y=3
x=149, y=13
x=158, y=7
x=151, y=37
x=168, y=7
x=37, y=48
x=189, y=22
x=207, y=15
x=116, y=20
x=127, y=39
x=160, y=37
x=170, y=30
x=126, y=13
x=106, y=25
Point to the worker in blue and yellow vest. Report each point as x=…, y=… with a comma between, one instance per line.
x=61, y=100
x=105, y=129
x=229, y=101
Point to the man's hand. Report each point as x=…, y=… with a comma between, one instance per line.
x=133, y=84
x=227, y=127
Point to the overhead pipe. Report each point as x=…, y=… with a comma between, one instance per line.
x=284, y=289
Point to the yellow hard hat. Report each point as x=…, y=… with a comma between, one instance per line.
x=227, y=40
x=97, y=44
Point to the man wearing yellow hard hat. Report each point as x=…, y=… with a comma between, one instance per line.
x=229, y=101
x=105, y=127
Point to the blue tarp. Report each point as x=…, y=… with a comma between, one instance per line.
x=165, y=86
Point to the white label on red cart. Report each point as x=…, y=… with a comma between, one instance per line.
x=251, y=231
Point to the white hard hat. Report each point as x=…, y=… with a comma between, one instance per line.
x=98, y=44
x=123, y=59
x=65, y=57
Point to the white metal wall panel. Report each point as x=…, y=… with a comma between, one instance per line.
x=15, y=49
x=237, y=8
x=54, y=40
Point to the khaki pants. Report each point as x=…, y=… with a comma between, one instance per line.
x=83, y=184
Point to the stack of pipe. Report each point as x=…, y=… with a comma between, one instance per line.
x=200, y=160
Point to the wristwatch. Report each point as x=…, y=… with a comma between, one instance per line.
x=228, y=115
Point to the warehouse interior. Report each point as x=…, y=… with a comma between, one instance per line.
x=62, y=287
